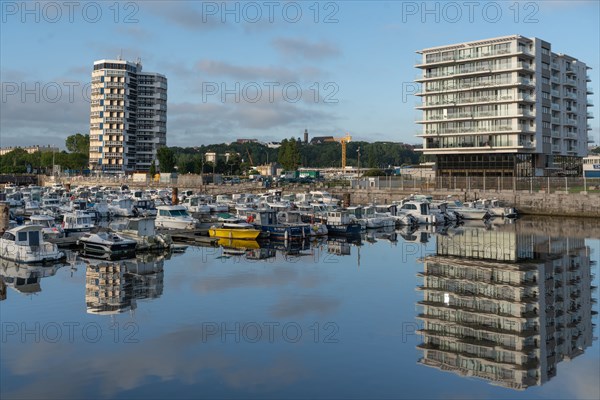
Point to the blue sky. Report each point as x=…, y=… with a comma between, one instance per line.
x=357, y=56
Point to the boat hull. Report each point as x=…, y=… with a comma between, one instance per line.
x=228, y=233
x=344, y=230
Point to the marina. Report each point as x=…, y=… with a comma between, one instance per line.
x=294, y=311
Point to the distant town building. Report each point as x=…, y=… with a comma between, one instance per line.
x=273, y=145
x=322, y=139
x=268, y=169
x=306, y=136
x=506, y=106
x=29, y=149
x=242, y=141
x=210, y=157
x=128, y=120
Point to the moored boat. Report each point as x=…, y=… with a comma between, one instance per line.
x=106, y=243
x=240, y=230
x=26, y=244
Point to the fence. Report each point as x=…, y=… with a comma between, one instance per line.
x=491, y=184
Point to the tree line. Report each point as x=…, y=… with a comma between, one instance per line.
x=291, y=155
x=19, y=161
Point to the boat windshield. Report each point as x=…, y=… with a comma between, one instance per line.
x=178, y=213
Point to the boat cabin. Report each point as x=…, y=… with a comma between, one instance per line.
x=338, y=218
x=419, y=206
x=25, y=235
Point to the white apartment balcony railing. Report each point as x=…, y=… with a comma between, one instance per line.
x=555, y=120
x=589, y=115
x=115, y=73
x=570, y=121
x=555, y=133
x=555, y=93
x=114, y=120
x=114, y=108
x=589, y=90
x=556, y=147
x=569, y=81
x=555, y=106
x=571, y=95
x=589, y=103
x=527, y=145
x=588, y=127
x=555, y=65
x=113, y=131
x=115, y=96
x=473, y=70
x=555, y=79
x=115, y=85
x=434, y=60
x=113, y=155
x=571, y=135
x=113, y=143
x=571, y=150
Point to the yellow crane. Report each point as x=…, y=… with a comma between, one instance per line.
x=344, y=141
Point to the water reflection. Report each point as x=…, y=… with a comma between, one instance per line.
x=23, y=278
x=505, y=304
x=113, y=287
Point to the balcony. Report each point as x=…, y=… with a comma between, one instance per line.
x=555, y=93
x=570, y=121
x=589, y=103
x=555, y=120
x=114, y=108
x=114, y=120
x=589, y=115
x=115, y=85
x=113, y=131
x=556, y=148
x=555, y=133
x=555, y=65
x=589, y=90
x=114, y=96
x=555, y=107
x=113, y=155
x=571, y=95
x=555, y=79
x=569, y=81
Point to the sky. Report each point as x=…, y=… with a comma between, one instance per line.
x=267, y=69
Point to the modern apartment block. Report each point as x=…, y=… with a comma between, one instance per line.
x=505, y=306
x=506, y=106
x=128, y=120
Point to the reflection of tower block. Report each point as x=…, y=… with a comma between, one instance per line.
x=106, y=288
x=339, y=248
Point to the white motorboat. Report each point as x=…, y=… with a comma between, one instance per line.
x=175, y=217
x=26, y=244
x=49, y=227
x=196, y=204
x=142, y=230
x=122, y=207
x=77, y=223
x=106, y=243
x=420, y=211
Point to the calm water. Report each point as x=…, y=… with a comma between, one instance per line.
x=398, y=316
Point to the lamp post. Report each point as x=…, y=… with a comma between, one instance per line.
x=358, y=167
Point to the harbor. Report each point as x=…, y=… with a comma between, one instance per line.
x=171, y=318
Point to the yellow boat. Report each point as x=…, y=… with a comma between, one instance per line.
x=234, y=231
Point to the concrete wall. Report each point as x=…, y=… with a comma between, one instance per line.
x=559, y=204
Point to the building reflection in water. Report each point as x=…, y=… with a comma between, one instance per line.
x=505, y=304
x=24, y=278
x=115, y=286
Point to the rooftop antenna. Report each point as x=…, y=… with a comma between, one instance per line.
x=120, y=57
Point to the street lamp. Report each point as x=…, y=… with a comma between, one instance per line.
x=358, y=169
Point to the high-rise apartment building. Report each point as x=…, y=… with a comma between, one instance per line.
x=506, y=106
x=128, y=120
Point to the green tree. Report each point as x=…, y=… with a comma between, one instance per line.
x=166, y=159
x=152, y=169
x=374, y=172
x=78, y=143
x=289, y=154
